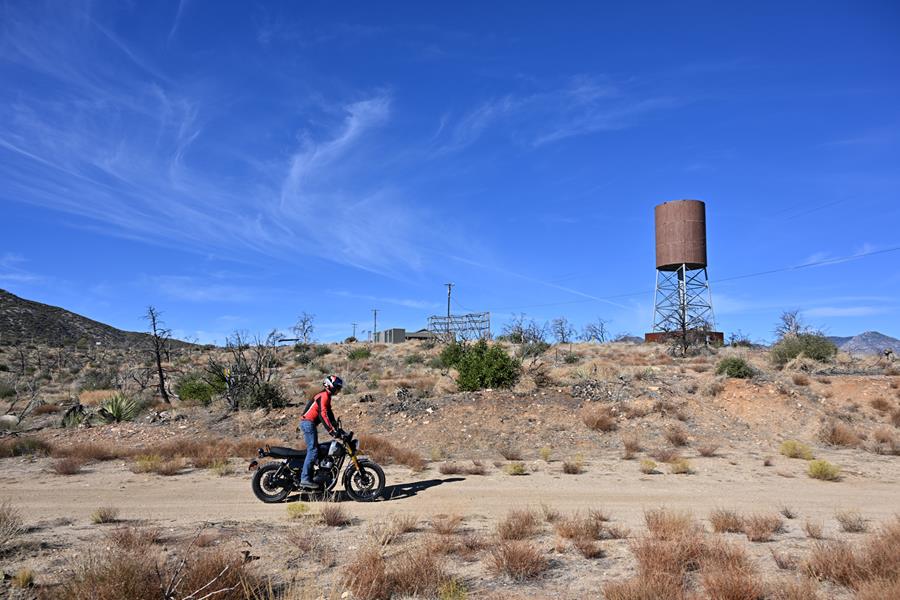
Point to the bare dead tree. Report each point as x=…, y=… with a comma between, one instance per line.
x=250, y=370
x=596, y=331
x=563, y=330
x=790, y=324
x=160, y=338
x=520, y=330
x=303, y=328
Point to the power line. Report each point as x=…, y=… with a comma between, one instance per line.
x=817, y=263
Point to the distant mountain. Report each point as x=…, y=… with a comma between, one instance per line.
x=870, y=342
x=32, y=322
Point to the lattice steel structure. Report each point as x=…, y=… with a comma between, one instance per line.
x=682, y=301
x=457, y=328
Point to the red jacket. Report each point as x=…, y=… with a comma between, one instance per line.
x=319, y=409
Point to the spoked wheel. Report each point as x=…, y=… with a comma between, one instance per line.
x=268, y=486
x=365, y=484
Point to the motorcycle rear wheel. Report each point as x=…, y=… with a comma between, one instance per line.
x=365, y=484
x=266, y=488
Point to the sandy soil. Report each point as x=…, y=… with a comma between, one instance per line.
x=58, y=508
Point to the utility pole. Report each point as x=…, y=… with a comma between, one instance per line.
x=449, y=289
x=375, y=324
x=354, y=329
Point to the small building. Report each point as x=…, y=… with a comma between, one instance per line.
x=396, y=335
x=422, y=334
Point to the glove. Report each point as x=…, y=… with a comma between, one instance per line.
x=339, y=433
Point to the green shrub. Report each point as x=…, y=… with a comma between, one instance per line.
x=4, y=368
x=414, y=359
x=734, y=367
x=99, y=379
x=515, y=468
x=268, y=395
x=483, y=366
x=452, y=355
x=794, y=449
x=6, y=390
x=570, y=358
x=321, y=350
x=360, y=353
x=811, y=345
x=822, y=469
x=22, y=446
x=119, y=408
x=193, y=388
x=533, y=349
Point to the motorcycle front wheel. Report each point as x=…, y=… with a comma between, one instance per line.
x=366, y=483
x=267, y=487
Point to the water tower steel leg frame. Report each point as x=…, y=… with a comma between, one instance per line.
x=682, y=300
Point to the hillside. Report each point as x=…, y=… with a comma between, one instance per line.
x=870, y=342
x=23, y=320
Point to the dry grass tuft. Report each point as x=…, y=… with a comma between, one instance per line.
x=384, y=452
x=588, y=548
x=814, y=530
x=598, y=418
x=310, y=544
x=785, y=562
x=23, y=579
x=647, y=466
x=879, y=589
x=47, y=409
x=677, y=435
x=105, y=514
x=67, y=466
x=708, y=450
x=90, y=451
x=833, y=561
x=795, y=449
x=631, y=445
x=11, y=525
x=851, y=521
x=762, y=528
x=518, y=525
x=572, y=466
x=134, y=539
x=665, y=455
x=645, y=587
x=728, y=584
x=297, y=510
x=520, y=561
x=880, y=404
x=680, y=466
x=726, y=521
x=787, y=512
x=24, y=446
x=838, y=433
x=446, y=524
x=334, y=515
x=450, y=468
x=510, y=452
x=800, y=379
x=665, y=524
x=515, y=468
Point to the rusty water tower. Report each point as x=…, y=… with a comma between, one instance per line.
x=682, y=301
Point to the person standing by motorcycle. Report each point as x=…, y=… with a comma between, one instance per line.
x=318, y=410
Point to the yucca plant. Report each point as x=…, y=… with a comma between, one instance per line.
x=118, y=408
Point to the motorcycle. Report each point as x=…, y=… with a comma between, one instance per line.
x=274, y=481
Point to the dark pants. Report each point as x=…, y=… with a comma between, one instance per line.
x=311, y=437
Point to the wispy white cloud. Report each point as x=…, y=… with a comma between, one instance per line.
x=584, y=106
x=407, y=302
x=194, y=289
x=846, y=311
x=13, y=271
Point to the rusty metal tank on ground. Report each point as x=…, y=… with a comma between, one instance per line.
x=680, y=235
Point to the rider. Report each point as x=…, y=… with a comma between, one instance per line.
x=318, y=410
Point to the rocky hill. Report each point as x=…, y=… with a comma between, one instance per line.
x=32, y=322
x=870, y=342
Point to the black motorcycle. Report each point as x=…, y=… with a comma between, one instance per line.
x=274, y=481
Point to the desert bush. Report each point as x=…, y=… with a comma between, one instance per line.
x=450, y=468
x=515, y=468
x=795, y=449
x=726, y=521
x=810, y=345
x=414, y=573
x=851, y=521
x=520, y=561
x=451, y=355
x=880, y=404
x=787, y=512
x=414, y=359
x=119, y=408
x=533, y=349
x=509, y=451
x=838, y=433
x=98, y=379
x=359, y=353
x=598, y=418
x=24, y=446
x=665, y=455
x=573, y=466
x=89, y=451
x=518, y=525
x=588, y=548
x=672, y=557
x=133, y=538
x=267, y=395
x=655, y=586
x=11, y=525
x=676, y=435
x=486, y=366
x=67, y=466
x=384, y=452
x=680, y=466
x=730, y=583
x=546, y=453
x=334, y=515
x=105, y=514
x=46, y=409
x=761, y=528
x=879, y=589
x=734, y=367
x=647, y=466
x=631, y=445
x=298, y=510
x=193, y=388
x=822, y=469
x=800, y=379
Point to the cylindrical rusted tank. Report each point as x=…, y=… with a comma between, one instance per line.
x=680, y=235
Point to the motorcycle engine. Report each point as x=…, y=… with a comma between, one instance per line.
x=326, y=463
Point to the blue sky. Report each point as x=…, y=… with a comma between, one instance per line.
x=236, y=163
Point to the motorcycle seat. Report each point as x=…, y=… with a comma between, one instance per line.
x=282, y=452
